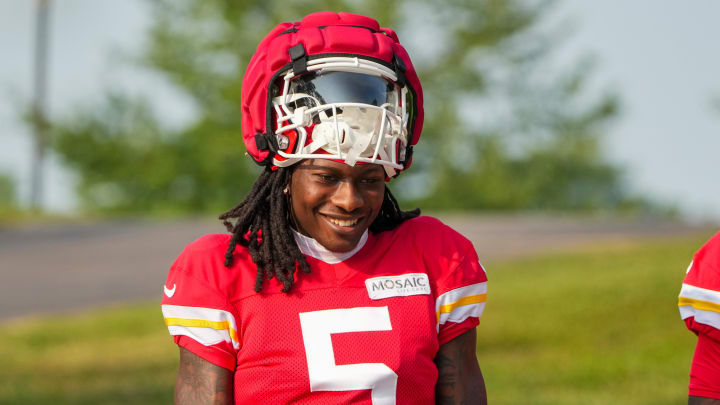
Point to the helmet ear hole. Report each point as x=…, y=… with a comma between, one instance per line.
x=288, y=143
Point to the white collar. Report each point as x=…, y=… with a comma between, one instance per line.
x=311, y=247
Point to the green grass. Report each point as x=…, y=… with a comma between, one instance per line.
x=594, y=327
x=114, y=356
x=599, y=326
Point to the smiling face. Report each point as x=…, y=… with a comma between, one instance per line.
x=334, y=203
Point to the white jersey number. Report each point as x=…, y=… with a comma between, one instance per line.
x=324, y=374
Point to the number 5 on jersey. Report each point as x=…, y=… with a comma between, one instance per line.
x=325, y=375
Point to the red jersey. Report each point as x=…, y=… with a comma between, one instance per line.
x=699, y=304
x=359, y=329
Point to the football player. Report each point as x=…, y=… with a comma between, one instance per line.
x=325, y=291
x=700, y=309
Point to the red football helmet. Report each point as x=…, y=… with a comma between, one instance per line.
x=333, y=86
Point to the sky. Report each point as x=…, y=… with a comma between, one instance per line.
x=662, y=59
x=659, y=56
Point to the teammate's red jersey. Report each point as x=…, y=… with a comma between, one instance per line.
x=700, y=309
x=362, y=327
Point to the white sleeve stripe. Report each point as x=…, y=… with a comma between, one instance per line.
x=204, y=336
x=207, y=324
x=455, y=295
x=461, y=303
x=209, y=314
x=703, y=294
x=704, y=317
x=460, y=314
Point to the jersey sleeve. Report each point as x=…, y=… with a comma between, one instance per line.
x=699, y=300
x=461, y=296
x=197, y=314
x=699, y=304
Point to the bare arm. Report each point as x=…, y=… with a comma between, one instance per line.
x=201, y=382
x=703, y=401
x=459, y=378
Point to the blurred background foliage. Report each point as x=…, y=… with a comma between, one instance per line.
x=505, y=129
x=8, y=195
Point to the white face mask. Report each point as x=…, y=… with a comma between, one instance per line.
x=349, y=110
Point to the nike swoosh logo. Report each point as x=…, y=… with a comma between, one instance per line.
x=169, y=292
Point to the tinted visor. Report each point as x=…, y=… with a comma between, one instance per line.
x=342, y=87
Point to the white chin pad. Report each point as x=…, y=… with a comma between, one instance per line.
x=352, y=133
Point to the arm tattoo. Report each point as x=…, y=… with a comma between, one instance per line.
x=447, y=370
x=201, y=382
x=702, y=401
x=459, y=378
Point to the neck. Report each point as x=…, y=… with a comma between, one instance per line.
x=310, y=247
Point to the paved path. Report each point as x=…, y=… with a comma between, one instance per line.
x=68, y=267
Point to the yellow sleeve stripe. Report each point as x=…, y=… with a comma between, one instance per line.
x=469, y=300
x=202, y=323
x=699, y=304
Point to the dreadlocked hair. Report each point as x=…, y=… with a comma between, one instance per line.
x=263, y=225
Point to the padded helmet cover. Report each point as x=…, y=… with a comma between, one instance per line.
x=321, y=34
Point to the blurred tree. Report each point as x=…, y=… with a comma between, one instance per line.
x=504, y=129
x=8, y=198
